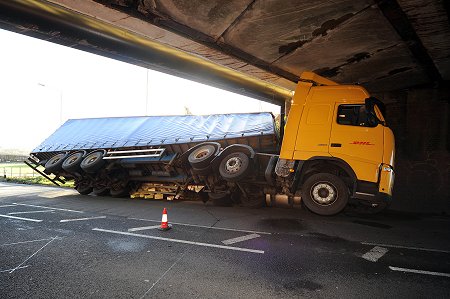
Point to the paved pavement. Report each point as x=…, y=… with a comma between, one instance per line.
x=55, y=243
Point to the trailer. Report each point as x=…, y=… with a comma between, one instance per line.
x=337, y=149
x=117, y=155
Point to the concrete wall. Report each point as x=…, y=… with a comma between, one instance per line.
x=420, y=121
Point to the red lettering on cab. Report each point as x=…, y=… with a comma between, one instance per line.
x=362, y=143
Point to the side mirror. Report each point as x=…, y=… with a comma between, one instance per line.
x=369, y=104
x=372, y=119
x=372, y=101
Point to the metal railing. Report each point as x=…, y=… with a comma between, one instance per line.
x=17, y=172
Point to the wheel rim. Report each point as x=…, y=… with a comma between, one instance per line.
x=233, y=165
x=324, y=193
x=202, y=153
x=73, y=159
x=92, y=159
x=55, y=160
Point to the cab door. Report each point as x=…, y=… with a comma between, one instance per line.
x=356, y=140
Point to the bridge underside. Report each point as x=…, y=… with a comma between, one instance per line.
x=398, y=49
x=383, y=45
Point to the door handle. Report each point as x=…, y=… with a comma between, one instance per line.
x=335, y=145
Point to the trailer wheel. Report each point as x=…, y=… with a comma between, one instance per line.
x=325, y=194
x=72, y=163
x=235, y=167
x=84, y=189
x=253, y=197
x=122, y=192
x=101, y=191
x=83, y=185
x=204, y=171
x=54, y=164
x=220, y=199
x=202, y=156
x=93, y=162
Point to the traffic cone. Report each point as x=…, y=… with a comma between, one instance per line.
x=164, y=222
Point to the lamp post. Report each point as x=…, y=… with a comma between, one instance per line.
x=146, y=96
x=60, y=99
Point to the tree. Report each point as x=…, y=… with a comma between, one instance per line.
x=187, y=111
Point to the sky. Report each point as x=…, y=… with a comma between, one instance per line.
x=43, y=84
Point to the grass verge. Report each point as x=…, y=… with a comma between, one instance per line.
x=39, y=180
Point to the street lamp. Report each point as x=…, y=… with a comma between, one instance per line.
x=60, y=99
x=146, y=96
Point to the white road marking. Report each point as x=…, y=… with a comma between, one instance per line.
x=20, y=218
x=240, y=239
x=406, y=247
x=30, y=212
x=375, y=253
x=163, y=275
x=12, y=270
x=82, y=219
x=135, y=229
x=58, y=209
x=8, y=270
x=5, y=206
x=419, y=271
x=23, y=242
x=179, y=241
x=209, y=227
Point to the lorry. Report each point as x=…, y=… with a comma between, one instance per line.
x=336, y=149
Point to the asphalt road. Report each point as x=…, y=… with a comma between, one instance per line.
x=55, y=243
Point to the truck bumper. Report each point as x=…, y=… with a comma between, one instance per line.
x=386, y=182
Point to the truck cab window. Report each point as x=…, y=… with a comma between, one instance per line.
x=352, y=115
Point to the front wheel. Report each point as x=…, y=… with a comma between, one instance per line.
x=325, y=194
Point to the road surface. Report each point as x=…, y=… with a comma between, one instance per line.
x=55, y=243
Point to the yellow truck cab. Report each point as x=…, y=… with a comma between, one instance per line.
x=337, y=146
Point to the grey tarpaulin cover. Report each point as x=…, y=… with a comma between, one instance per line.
x=115, y=132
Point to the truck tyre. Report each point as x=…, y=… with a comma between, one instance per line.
x=220, y=199
x=83, y=189
x=101, y=191
x=72, y=163
x=235, y=167
x=254, y=196
x=201, y=157
x=54, y=164
x=123, y=192
x=83, y=186
x=325, y=194
x=93, y=162
x=203, y=171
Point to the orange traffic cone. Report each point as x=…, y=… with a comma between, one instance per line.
x=164, y=222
